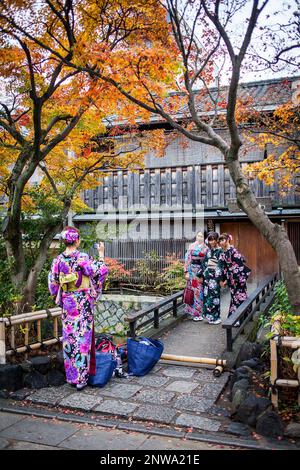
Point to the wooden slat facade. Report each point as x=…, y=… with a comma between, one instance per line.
x=209, y=185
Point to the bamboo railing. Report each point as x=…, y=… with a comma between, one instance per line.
x=275, y=343
x=27, y=319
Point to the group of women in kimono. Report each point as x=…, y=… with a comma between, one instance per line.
x=209, y=266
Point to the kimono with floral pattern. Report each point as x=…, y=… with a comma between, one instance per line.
x=212, y=276
x=193, y=260
x=77, y=305
x=236, y=273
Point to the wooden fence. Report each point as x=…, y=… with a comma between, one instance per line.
x=207, y=185
x=156, y=254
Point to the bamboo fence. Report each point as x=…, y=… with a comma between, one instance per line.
x=275, y=343
x=27, y=319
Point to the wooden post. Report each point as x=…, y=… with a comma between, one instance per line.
x=229, y=339
x=2, y=343
x=39, y=331
x=55, y=327
x=274, y=372
x=156, y=318
x=26, y=337
x=12, y=337
x=132, y=329
x=175, y=307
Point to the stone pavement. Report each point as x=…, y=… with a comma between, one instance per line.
x=172, y=395
x=20, y=432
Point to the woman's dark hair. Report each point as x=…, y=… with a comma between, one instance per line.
x=225, y=236
x=213, y=236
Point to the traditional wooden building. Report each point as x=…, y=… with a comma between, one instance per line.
x=190, y=189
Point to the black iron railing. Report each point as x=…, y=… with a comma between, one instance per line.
x=245, y=312
x=157, y=312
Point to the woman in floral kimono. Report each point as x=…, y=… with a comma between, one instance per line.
x=235, y=272
x=193, y=259
x=211, y=273
x=76, y=280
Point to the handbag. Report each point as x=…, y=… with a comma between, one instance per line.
x=188, y=296
x=143, y=354
x=105, y=366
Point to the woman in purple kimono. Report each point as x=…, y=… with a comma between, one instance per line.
x=76, y=281
x=235, y=272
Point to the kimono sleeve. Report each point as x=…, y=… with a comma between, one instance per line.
x=240, y=270
x=222, y=268
x=53, y=277
x=95, y=269
x=187, y=260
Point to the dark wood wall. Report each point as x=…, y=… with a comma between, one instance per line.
x=259, y=254
x=209, y=185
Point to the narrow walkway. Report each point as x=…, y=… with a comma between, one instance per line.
x=199, y=339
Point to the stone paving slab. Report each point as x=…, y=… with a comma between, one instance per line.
x=210, y=390
x=193, y=403
x=161, y=414
x=178, y=372
x=20, y=445
x=114, y=407
x=181, y=386
x=205, y=375
x=33, y=430
x=80, y=401
x=103, y=440
x=7, y=419
x=151, y=381
x=121, y=390
x=157, y=397
x=198, y=422
x=49, y=396
x=164, y=443
x=3, y=443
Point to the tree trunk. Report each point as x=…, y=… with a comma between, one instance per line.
x=275, y=234
x=29, y=291
x=15, y=252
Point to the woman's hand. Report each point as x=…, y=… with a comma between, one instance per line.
x=223, y=283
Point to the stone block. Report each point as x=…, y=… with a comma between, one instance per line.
x=11, y=377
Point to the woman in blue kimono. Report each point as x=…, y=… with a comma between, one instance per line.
x=235, y=272
x=76, y=281
x=211, y=273
x=193, y=260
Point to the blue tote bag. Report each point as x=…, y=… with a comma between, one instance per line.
x=143, y=354
x=105, y=366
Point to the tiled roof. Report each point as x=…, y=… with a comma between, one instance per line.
x=266, y=95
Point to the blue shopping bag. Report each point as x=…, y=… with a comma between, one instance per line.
x=105, y=366
x=143, y=354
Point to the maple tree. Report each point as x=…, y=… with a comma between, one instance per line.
x=159, y=67
x=55, y=136
x=279, y=136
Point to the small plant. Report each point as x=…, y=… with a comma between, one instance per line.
x=146, y=269
x=281, y=313
x=119, y=329
x=172, y=279
x=116, y=272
